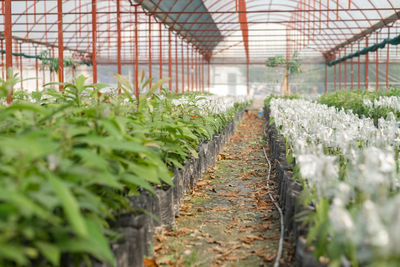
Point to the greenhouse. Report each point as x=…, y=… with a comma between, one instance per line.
x=199, y=133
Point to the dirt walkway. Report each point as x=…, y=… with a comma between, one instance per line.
x=228, y=220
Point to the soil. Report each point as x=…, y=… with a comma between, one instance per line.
x=228, y=219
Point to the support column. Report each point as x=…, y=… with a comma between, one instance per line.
x=176, y=65
x=377, y=65
x=326, y=78
x=340, y=74
x=248, y=78
x=196, y=71
x=387, y=61
x=94, y=39
x=8, y=34
x=169, y=61
x=160, y=59
x=366, y=66
x=119, y=42
x=150, y=59
x=192, y=71
x=3, y=67
x=358, y=70
x=209, y=76
x=60, y=43
x=37, y=70
x=334, y=78
x=352, y=71
x=136, y=54
x=183, y=68
x=345, y=72
x=21, y=67
x=187, y=67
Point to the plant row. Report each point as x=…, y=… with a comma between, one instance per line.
x=365, y=103
x=69, y=161
x=349, y=171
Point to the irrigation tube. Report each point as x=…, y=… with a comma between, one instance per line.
x=279, y=254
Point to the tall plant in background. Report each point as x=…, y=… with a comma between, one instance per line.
x=291, y=65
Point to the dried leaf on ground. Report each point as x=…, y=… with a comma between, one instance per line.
x=150, y=263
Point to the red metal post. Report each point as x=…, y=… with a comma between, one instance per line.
x=169, y=62
x=161, y=63
x=202, y=74
x=358, y=70
x=387, y=61
x=345, y=71
x=351, y=71
x=2, y=59
x=366, y=65
x=196, y=72
x=37, y=70
x=248, y=78
x=150, y=59
x=340, y=76
x=209, y=75
x=334, y=78
x=94, y=39
x=21, y=67
x=8, y=35
x=192, y=72
x=119, y=41
x=176, y=65
x=326, y=78
x=377, y=64
x=187, y=67
x=183, y=68
x=136, y=54
x=60, y=44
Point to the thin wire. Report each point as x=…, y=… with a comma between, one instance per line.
x=279, y=254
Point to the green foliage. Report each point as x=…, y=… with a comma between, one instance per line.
x=7, y=85
x=353, y=100
x=69, y=159
x=293, y=64
x=267, y=101
x=53, y=62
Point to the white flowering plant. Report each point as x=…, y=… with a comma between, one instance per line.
x=350, y=168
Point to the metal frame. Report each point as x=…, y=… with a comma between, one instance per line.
x=99, y=31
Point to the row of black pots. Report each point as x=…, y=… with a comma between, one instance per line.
x=289, y=192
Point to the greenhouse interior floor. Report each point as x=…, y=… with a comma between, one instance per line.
x=228, y=219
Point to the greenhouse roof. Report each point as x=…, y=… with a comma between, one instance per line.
x=190, y=19
x=230, y=31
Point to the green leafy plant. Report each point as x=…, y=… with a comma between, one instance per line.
x=69, y=160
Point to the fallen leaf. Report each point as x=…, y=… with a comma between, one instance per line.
x=269, y=257
x=150, y=263
x=203, y=183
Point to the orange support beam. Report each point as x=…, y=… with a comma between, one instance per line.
x=136, y=54
x=169, y=61
x=241, y=8
x=119, y=44
x=150, y=59
x=60, y=43
x=8, y=34
x=94, y=39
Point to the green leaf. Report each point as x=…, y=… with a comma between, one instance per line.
x=25, y=205
x=27, y=106
x=156, y=85
x=136, y=180
x=50, y=251
x=70, y=205
x=13, y=253
x=80, y=83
